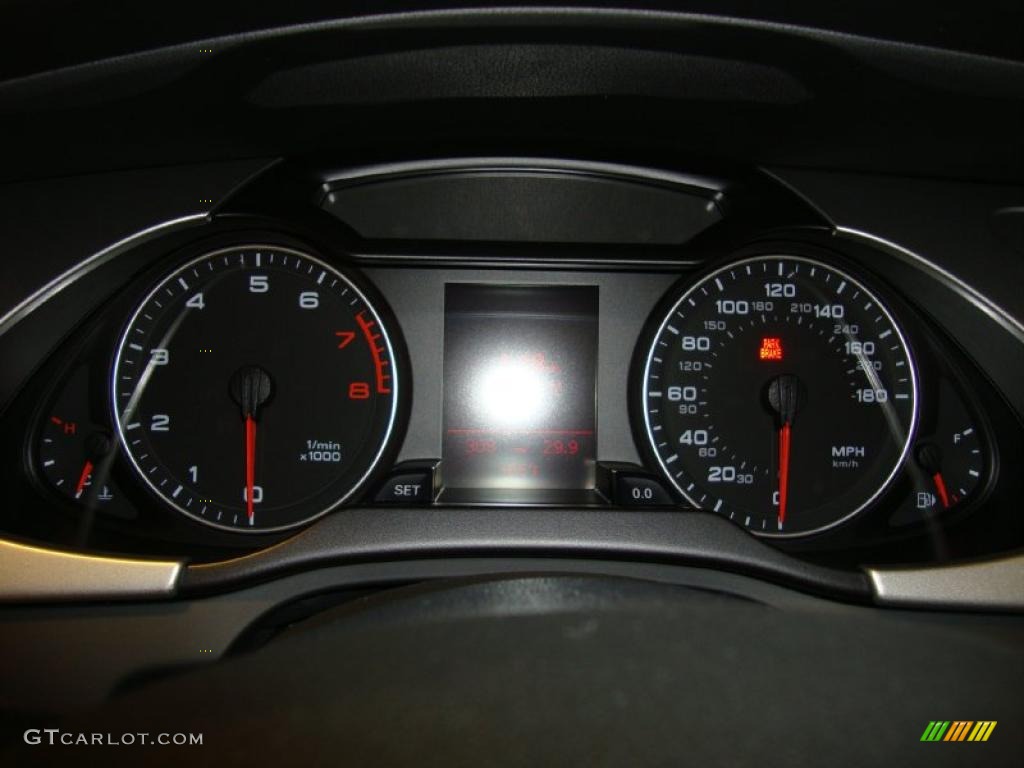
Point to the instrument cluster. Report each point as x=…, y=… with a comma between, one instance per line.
x=261, y=376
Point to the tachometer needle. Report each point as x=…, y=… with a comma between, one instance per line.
x=250, y=463
x=252, y=388
x=784, y=437
x=83, y=479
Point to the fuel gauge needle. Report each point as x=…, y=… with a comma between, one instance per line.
x=83, y=479
x=250, y=463
x=930, y=459
x=940, y=488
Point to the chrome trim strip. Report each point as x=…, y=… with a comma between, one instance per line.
x=625, y=172
x=567, y=265
x=985, y=584
x=992, y=310
x=62, y=281
x=30, y=573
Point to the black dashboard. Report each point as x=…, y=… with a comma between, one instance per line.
x=586, y=354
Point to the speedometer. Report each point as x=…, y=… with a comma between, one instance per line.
x=779, y=392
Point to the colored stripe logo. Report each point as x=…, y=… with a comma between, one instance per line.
x=958, y=730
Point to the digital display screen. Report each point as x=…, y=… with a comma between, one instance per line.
x=519, y=387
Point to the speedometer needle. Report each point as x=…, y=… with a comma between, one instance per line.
x=784, y=434
x=785, y=396
x=250, y=462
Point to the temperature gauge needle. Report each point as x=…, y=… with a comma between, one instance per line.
x=250, y=463
x=784, y=437
x=83, y=479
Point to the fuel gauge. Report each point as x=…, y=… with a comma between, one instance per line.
x=949, y=460
x=954, y=465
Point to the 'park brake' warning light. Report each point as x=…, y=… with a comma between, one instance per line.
x=771, y=348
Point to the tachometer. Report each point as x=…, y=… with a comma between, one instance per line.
x=255, y=388
x=779, y=392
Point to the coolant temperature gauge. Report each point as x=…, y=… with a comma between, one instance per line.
x=74, y=454
x=70, y=453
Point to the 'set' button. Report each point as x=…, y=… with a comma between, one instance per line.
x=407, y=488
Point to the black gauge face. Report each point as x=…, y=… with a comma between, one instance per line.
x=255, y=388
x=780, y=393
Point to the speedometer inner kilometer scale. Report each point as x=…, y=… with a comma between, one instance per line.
x=254, y=388
x=780, y=393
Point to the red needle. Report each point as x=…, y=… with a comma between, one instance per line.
x=250, y=462
x=940, y=486
x=783, y=471
x=83, y=478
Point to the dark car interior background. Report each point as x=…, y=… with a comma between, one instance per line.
x=513, y=385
